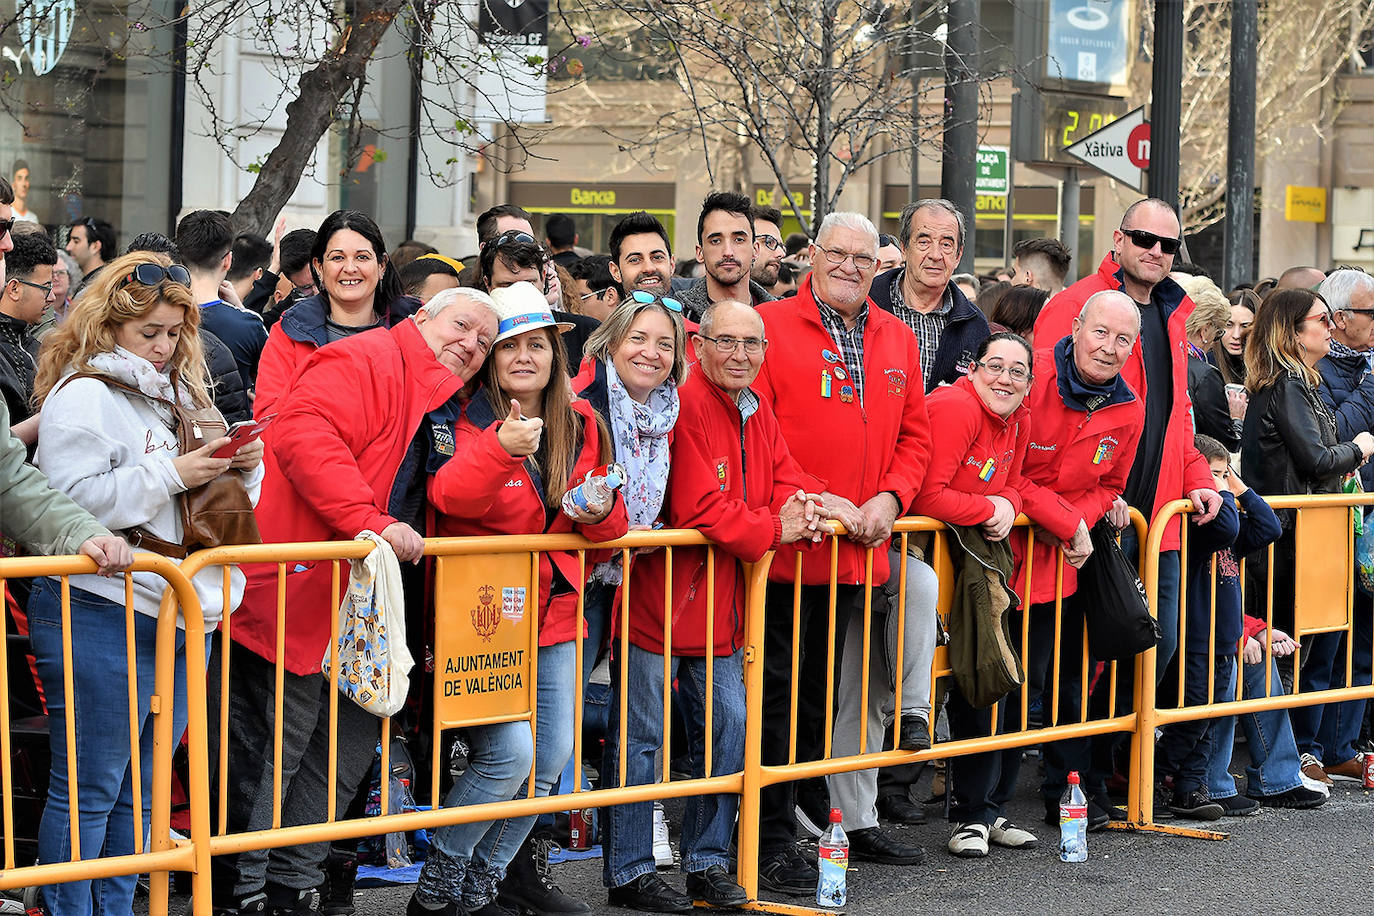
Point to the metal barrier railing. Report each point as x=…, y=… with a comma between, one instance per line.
x=209, y=836
x=163, y=855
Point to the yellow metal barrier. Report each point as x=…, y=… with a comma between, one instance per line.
x=164, y=856
x=1321, y=602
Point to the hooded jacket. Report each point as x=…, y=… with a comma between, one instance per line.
x=729, y=478
x=861, y=449
x=332, y=462
x=1077, y=462
x=484, y=490
x=1348, y=389
x=1182, y=468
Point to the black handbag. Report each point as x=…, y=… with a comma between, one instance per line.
x=1113, y=599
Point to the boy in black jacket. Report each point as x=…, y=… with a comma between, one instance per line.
x=1211, y=636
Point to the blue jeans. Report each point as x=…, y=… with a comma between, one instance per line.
x=1273, y=765
x=1330, y=731
x=709, y=820
x=553, y=746
x=1188, y=750
x=104, y=773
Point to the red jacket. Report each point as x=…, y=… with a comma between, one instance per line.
x=727, y=480
x=1182, y=468
x=862, y=450
x=979, y=455
x=1076, y=464
x=281, y=357
x=485, y=490
x=332, y=460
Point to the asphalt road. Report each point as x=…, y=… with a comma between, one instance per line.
x=1275, y=862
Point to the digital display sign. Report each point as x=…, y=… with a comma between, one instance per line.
x=1048, y=122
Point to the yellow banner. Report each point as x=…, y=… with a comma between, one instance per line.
x=484, y=607
x=1304, y=205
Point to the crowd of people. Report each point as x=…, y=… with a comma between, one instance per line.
x=770, y=387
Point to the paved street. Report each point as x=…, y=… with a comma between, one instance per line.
x=1283, y=861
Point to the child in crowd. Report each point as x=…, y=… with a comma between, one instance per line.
x=1211, y=638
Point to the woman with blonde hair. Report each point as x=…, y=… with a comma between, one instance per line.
x=1214, y=413
x=107, y=380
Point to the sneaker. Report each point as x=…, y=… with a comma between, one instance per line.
x=1299, y=798
x=340, y=878
x=1195, y=805
x=1312, y=769
x=1004, y=833
x=250, y=905
x=788, y=872
x=1238, y=806
x=969, y=841
x=1312, y=784
x=1351, y=770
x=663, y=849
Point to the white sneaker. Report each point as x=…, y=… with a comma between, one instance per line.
x=663, y=850
x=1005, y=833
x=969, y=841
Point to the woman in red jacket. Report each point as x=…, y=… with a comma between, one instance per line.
x=974, y=479
x=517, y=446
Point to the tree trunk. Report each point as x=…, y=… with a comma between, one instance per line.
x=309, y=115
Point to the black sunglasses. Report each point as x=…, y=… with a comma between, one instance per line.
x=154, y=274
x=1147, y=240
x=6, y=225
x=510, y=237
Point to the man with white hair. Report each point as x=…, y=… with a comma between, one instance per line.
x=347, y=454
x=1327, y=734
x=846, y=386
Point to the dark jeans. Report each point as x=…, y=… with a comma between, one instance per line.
x=304, y=774
x=1331, y=731
x=981, y=784
x=1185, y=750
x=777, y=817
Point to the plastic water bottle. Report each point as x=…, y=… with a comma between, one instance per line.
x=398, y=844
x=1073, y=823
x=594, y=492
x=834, y=864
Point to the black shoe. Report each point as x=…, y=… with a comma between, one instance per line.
x=788, y=872
x=254, y=904
x=1098, y=816
x=650, y=894
x=1299, y=798
x=1238, y=806
x=898, y=809
x=715, y=887
x=1195, y=805
x=492, y=908
x=340, y=877
x=528, y=887
x=870, y=844
x=813, y=806
x=286, y=901
x=416, y=908
x=915, y=734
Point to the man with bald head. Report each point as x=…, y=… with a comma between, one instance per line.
x=1167, y=464
x=1083, y=442
x=1300, y=278
x=734, y=480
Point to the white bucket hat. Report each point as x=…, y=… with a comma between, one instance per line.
x=521, y=307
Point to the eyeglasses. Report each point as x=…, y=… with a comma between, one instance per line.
x=153, y=274
x=834, y=256
x=510, y=237
x=599, y=295
x=1147, y=240
x=1324, y=318
x=884, y=240
x=1018, y=374
x=44, y=288
x=644, y=297
x=769, y=242
x=752, y=345
x=1357, y=311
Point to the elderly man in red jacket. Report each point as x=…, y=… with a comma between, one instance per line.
x=845, y=383
x=345, y=455
x=734, y=480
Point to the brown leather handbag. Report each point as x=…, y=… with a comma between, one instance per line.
x=215, y=514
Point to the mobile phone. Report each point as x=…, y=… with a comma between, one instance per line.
x=240, y=434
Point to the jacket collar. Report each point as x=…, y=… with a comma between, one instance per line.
x=1167, y=294
x=881, y=293
x=964, y=383
x=305, y=322
x=430, y=376
x=1072, y=390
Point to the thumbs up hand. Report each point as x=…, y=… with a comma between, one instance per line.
x=519, y=436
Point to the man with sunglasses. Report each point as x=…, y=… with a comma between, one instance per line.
x=596, y=288
x=1167, y=463
x=726, y=248
x=922, y=294
x=27, y=292
x=91, y=242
